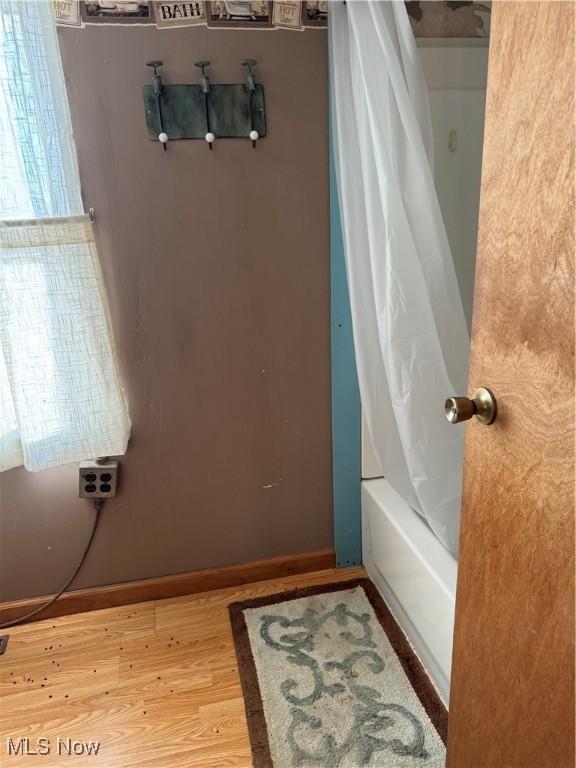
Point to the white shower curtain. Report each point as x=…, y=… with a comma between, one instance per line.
x=410, y=333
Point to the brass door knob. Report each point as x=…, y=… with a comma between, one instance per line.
x=482, y=405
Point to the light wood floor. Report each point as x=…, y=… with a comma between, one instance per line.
x=155, y=683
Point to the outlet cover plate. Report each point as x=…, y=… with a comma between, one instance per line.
x=98, y=480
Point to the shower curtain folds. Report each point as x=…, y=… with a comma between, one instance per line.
x=410, y=334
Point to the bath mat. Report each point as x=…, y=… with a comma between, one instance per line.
x=330, y=681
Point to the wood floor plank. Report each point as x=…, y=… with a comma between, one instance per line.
x=155, y=683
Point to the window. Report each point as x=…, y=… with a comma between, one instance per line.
x=61, y=396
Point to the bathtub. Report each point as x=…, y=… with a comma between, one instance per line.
x=414, y=574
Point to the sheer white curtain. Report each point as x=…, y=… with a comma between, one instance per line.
x=61, y=397
x=410, y=332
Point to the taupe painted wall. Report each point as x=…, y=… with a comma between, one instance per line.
x=218, y=274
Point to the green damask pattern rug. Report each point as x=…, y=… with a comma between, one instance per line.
x=329, y=681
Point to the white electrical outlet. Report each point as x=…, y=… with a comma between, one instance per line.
x=98, y=479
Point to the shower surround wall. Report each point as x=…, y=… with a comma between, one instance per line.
x=217, y=268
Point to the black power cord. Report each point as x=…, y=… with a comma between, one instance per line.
x=98, y=504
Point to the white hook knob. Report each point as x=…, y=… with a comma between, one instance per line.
x=209, y=137
x=254, y=135
x=163, y=138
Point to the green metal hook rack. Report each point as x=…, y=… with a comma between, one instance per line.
x=206, y=110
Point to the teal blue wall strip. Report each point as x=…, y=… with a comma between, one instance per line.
x=346, y=413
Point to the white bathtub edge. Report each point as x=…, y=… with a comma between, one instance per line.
x=414, y=574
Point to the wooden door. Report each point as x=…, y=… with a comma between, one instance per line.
x=512, y=699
